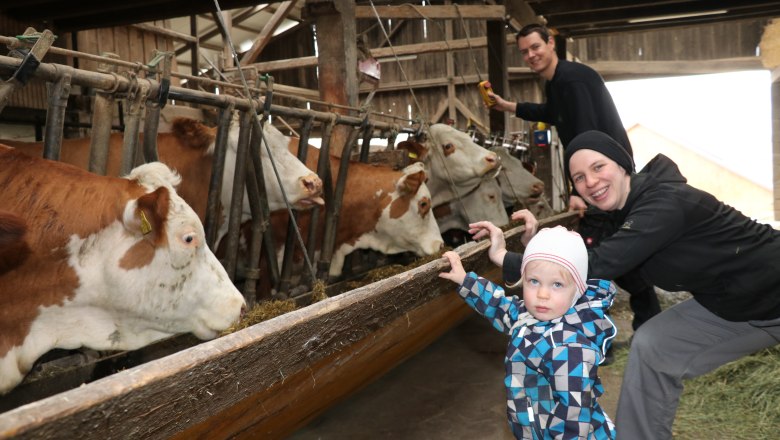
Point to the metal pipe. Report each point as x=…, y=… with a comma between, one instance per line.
x=290, y=244
x=334, y=208
x=323, y=170
x=151, y=126
x=136, y=103
x=211, y=222
x=237, y=199
x=59, y=91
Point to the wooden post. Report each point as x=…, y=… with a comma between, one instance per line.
x=497, y=73
x=337, y=58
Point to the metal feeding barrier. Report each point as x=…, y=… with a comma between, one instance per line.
x=147, y=94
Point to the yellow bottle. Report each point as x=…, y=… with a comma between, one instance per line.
x=484, y=88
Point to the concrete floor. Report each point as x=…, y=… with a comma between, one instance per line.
x=453, y=389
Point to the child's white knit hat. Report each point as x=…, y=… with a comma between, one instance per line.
x=561, y=246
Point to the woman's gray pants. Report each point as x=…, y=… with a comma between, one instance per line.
x=682, y=342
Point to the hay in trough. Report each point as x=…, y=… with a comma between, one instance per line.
x=262, y=312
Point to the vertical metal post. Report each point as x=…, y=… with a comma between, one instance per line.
x=102, y=119
x=136, y=104
x=211, y=223
x=237, y=198
x=55, y=115
x=290, y=243
x=334, y=208
x=323, y=170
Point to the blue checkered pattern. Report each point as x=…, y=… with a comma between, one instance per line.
x=551, y=366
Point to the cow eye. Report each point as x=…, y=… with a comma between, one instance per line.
x=449, y=148
x=189, y=238
x=424, y=206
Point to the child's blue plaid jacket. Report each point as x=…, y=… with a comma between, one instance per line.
x=551, y=366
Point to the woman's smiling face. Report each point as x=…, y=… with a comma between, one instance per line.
x=599, y=180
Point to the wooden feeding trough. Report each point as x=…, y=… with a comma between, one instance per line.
x=271, y=378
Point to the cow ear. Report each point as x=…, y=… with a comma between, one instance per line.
x=410, y=183
x=415, y=152
x=148, y=214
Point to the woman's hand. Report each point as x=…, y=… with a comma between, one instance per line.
x=480, y=230
x=576, y=203
x=531, y=224
x=456, y=273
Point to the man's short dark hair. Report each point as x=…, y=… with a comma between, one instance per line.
x=530, y=29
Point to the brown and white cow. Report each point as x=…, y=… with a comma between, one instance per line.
x=102, y=262
x=189, y=149
x=450, y=156
x=383, y=209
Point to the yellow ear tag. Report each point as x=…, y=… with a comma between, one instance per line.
x=146, y=227
x=413, y=155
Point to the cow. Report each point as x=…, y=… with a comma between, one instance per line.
x=189, y=149
x=383, y=209
x=101, y=262
x=519, y=188
x=484, y=202
x=450, y=158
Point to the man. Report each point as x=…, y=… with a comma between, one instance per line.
x=578, y=101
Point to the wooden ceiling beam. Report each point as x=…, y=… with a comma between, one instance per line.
x=268, y=32
x=409, y=11
x=732, y=7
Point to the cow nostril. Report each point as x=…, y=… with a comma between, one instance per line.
x=243, y=312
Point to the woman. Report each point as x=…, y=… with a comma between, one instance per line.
x=681, y=239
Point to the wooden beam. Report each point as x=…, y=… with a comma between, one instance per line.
x=268, y=32
x=385, y=52
x=408, y=11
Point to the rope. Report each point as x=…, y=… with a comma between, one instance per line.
x=234, y=54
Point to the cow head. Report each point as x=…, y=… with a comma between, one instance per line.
x=482, y=203
x=451, y=156
x=519, y=188
x=164, y=272
x=302, y=187
x=405, y=224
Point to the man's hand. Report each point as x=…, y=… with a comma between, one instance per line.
x=531, y=224
x=502, y=104
x=456, y=274
x=480, y=230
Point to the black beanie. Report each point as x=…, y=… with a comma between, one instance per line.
x=601, y=142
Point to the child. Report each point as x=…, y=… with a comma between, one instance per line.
x=558, y=332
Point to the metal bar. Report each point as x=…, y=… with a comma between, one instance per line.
x=290, y=244
x=119, y=84
x=365, y=148
x=237, y=199
x=102, y=119
x=55, y=115
x=334, y=206
x=255, y=188
x=211, y=223
x=269, y=244
x=151, y=125
x=323, y=170
x=136, y=104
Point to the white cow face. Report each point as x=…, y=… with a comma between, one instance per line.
x=302, y=187
x=452, y=155
x=150, y=275
x=405, y=225
x=482, y=203
x=518, y=186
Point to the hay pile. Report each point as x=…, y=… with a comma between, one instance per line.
x=262, y=312
x=740, y=400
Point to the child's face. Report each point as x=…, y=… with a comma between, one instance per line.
x=548, y=289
